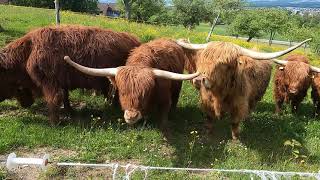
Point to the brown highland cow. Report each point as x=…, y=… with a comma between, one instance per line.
x=232, y=79
x=150, y=80
x=34, y=63
x=291, y=82
x=315, y=93
x=315, y=80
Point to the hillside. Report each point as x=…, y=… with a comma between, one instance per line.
x=97, y=133
x=286, y=3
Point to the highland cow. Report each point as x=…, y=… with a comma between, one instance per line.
x=310, y=73
x=315, y=93
x=150, y=80
x=34, y=63
x=291, y=82
x=232, y=79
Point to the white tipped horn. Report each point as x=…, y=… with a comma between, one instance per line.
x=281, y=62
x=265, y=56
x=174, y=76
x=191, y=46
x=92, y=71
x=315, y=69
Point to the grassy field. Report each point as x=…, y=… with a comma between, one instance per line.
x=97, y=132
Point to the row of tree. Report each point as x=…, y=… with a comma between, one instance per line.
x=240, y=20
x=89, y=6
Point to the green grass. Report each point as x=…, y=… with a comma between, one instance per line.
x=97, y=132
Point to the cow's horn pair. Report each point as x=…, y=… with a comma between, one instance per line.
x=113, y=71
x=244, y=51
x=281, y=62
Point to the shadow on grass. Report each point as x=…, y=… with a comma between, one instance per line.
x=263, y=132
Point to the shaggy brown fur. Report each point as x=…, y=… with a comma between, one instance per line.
x=315, y=93
x=292, y=82
x=35, y=62
x=139, y=90
x=235, y=83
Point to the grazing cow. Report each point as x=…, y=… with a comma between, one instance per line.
x=315, y=93
x=291, y=82
x=309, y=71
x=34, y=63
x=232, y=79
x=151, y=79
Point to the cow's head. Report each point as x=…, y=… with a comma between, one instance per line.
x=12, y=86
x=219, y=61
x=135, y=84
x=297, y=74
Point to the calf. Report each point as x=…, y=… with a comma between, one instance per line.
x=291, y=82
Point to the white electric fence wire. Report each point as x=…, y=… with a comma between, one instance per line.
x=264, y=175
x=13, y=161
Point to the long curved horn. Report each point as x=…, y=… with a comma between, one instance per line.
x=265, y=56
x=92, y=71
x=174, y=76
x=281, y=62
x=191, y=46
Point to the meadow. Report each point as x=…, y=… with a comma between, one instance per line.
x=96, y=132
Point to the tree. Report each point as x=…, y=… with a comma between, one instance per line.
x=141, y=10
x=275, y=22
x=191, y=12
x=249, y=23
x=90, y=6
x=222, y=8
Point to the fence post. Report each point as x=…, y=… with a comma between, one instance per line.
x=56, y=3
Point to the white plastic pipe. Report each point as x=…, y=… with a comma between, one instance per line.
x=13, y=162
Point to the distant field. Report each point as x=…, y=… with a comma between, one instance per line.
x=97, y=132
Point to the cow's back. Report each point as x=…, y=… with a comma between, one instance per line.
x=88, y=46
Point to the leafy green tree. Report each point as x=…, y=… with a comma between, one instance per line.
x=315, y=44
x=141, y=10
x=249, y=23
x=191, y=12
x=220, y=10
x=275, y=21
x=90, y=6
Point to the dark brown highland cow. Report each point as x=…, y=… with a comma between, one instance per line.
x=292, y=81
x=315, y=93
x=147, y=81
x=232, y=79
x=35, y=63
x=313, y=76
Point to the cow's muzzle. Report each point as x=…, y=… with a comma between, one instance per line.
x=202, y=80
x=132, y=116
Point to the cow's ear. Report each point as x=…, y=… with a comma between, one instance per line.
x=281, y=68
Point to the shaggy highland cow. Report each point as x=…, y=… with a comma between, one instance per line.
x=34, y=63
x=291, y=82
x=315, y=93
x=232, y=79
x=299, y=66
x=150, y=80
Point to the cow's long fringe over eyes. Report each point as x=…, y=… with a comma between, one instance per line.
x=134, y=84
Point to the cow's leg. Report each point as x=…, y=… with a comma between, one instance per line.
x=66, y=101
x=239, y=113
x=295, y=102
x=175, y=94
x=278, y=104
x=53, y=98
